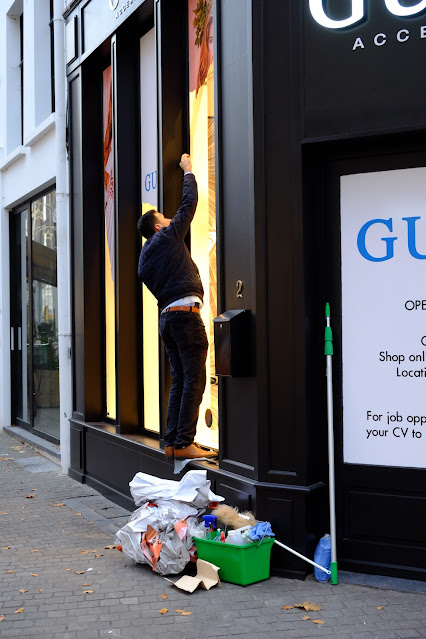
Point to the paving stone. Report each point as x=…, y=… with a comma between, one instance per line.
x=127, y=596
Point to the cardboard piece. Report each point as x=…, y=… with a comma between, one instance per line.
x=207, y=577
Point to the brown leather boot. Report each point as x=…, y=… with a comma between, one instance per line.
x=169, y=450
x=194, y=451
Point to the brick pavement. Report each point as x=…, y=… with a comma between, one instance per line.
x=45, y=552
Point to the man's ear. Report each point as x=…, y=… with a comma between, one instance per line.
x=157, y=227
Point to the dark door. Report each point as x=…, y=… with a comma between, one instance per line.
x=380, y=476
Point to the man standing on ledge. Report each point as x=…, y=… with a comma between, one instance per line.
x=167, y=269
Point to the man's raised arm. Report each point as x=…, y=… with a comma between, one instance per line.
x=184, y=216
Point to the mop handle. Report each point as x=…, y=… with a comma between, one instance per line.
x=328, y=572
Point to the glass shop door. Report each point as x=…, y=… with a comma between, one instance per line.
x=20, y=314
x=34, y=318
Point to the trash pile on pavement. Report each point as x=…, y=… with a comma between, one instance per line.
x=160, y=532
x=166, y=532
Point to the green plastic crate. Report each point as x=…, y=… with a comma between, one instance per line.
x=241, y=565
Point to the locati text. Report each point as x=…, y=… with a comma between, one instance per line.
x=380, y=39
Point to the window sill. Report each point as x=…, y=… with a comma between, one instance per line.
x=41, y=130
x=14, y=156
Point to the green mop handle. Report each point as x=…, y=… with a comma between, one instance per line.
x=328, y=351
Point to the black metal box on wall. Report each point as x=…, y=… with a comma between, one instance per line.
x=231, y=339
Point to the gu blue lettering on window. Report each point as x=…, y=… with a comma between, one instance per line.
x=389, y=241
x=151, y=181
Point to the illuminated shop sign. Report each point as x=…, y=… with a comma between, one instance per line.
x=358, y=12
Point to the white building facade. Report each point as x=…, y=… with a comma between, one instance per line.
x=35, y=333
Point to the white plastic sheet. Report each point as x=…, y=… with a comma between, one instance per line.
x=162, y=503
x=193, y=488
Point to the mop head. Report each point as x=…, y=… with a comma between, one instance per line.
x=233, y=518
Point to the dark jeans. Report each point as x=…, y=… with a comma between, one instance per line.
x=185, y=339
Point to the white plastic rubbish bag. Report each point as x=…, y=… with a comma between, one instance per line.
x=160, y=531
x=193, y=488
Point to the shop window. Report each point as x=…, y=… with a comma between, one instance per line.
x=109, y=225
x=151, y=367
x=203, y=227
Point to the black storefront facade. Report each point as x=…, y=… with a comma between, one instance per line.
x=304, y=93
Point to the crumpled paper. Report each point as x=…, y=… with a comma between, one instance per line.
x=170, y=510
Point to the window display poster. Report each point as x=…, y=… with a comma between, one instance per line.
x=148, y=102
x=383, y=248
x=109, y=211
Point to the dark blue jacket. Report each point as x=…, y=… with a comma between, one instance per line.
x=165, y=264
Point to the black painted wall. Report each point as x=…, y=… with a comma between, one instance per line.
x=282, y=138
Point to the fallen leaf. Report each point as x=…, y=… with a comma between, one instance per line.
x=163, y=611
x=33, y=490
x=91, y=522
x=33, y=574
x=317, y=621
x=164, y=596
x=67, y=569
x=287, y=607
x=305, y=618
x=80, y=572
x=299, y=605
x=86, y=584
x=59, y=504
x=87, y=591
x=9, y=572
x=2, y=617
x=110, y=547
x=313, y=606
x=16, y=447
x=22, y=591
x=98, y=555
x=36, y=550
x=380, y=607
x=78, y=514
x=19, y=610
x=5, y=513
x=84, y=552
x=30, y=496
x=61, y=523
x=179, y=610
x=5, y=547
x=185, y=612
x=41, y=589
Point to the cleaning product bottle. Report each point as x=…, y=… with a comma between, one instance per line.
x=210, y=526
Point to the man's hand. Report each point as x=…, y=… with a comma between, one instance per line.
x=185, y=162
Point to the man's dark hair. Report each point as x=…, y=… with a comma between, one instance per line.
x=146, y=223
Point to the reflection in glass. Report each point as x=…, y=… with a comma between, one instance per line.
x=23, y=400
x=45, y=373
x=203, y=227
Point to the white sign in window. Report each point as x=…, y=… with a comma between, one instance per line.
x=383, y=243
